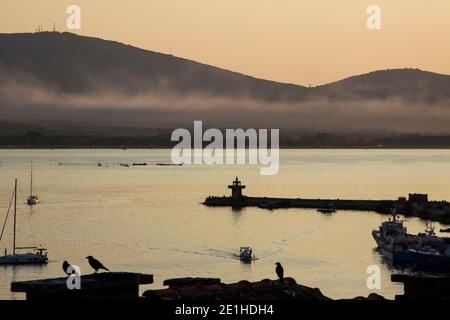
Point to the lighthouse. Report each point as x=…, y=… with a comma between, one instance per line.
x=236, y=190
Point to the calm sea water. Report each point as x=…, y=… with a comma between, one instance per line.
x=149, y=219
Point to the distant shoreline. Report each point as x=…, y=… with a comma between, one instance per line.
x=23, y=137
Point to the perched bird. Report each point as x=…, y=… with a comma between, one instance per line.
x=95, y=264
x=279, y=270
x=65, y=267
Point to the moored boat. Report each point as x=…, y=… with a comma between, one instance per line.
x=38, y=255
x=424, y=251
x=326, y=210
x=32, y=198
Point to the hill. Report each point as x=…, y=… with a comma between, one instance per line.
x=52, y=76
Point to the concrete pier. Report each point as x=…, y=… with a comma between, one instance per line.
x=415, y=205
x=383, y=206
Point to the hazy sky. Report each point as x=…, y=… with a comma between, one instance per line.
x=304, y=42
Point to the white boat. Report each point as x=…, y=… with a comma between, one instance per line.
x=37, y=255
x=32, y=199
x=246, y=254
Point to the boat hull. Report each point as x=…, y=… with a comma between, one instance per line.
x=25, y=258
x=424, y=261
x=397, y=258
x=31, y=201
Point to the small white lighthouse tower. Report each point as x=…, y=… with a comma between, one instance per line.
x=236, y=190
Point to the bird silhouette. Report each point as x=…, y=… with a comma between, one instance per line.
x=65, y=267
x=95, y=264
x=280, y=271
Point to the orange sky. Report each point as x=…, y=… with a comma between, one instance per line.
x=303, y=42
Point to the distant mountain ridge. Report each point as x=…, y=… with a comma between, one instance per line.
x=73, y=64
x=411, y=84
x=63, y=76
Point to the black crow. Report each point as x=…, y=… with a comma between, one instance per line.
x=65, y=267
x=279, y=270
x=95, y=264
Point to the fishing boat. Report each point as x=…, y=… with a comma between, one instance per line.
x=32, y=199
x=246, y=254
x=389, y=235
x=38, y=255
x=421, y=252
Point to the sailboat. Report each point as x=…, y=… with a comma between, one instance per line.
x=32, y=199
x=39, y=254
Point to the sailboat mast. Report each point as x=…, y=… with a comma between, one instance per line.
x=15, y=212
x=31, y=184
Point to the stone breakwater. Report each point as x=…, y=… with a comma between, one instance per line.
x=429, y=210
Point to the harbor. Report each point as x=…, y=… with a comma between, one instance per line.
x=416, y=205
x=224, y=159
x=149, y=220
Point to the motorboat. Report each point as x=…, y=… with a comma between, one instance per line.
x=246, y=254
x=326, y=210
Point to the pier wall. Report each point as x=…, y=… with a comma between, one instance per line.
x=276, y=203
x=431, y=210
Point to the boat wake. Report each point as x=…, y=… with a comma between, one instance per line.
x=208, y=252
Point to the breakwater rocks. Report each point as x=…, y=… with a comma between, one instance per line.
x=191, y=289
